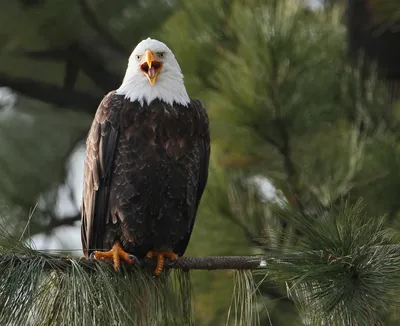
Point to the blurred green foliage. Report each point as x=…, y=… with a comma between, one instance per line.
x=284, y=102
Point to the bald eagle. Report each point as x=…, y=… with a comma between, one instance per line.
x=146, y=165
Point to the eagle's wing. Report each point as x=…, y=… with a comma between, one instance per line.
x=203, y=159
x=204, y=149
x=100, y=149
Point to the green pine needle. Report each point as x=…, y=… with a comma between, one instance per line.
x=345, y=271
x=243, y=310
x=31, y=294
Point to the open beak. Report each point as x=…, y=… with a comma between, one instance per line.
x=151, y=67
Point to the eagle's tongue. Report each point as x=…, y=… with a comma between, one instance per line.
x=151, y=72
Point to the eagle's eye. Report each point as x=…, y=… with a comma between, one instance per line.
x=138, y=57
x=161, y=55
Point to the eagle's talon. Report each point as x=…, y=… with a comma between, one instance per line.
x=92, y=256
x=132, y=259
x=161, y=255
x=116, y=254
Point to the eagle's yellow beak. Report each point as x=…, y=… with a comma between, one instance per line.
x=151, y=67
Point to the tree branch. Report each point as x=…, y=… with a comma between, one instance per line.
x=185, y=263
x=55, y=222
x=30, y=3
x=52, y=94
x=256, y=262
x=284, y=146
x=93, y=22
x=288, y=163
x=95, y=68
x=44, y=55
x=83, y=57
x=61, y=221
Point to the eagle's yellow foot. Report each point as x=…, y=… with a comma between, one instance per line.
x=116, y=254
x=161, y=259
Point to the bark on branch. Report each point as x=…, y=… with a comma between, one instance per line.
x=184, y=263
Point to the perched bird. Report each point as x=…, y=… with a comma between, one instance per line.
x=146, y=164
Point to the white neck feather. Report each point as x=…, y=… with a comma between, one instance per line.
x=169, y=86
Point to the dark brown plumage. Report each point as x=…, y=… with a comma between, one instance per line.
x=145, y=171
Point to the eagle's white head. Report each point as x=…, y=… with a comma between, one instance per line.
x=152, y=73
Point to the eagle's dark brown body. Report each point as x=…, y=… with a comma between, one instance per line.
x=145, y=171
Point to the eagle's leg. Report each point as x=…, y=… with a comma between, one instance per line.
x=116, y=254
x=161, y=259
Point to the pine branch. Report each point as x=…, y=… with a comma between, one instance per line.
x=104, y=298
x=285, y=147
x=346, y=268
x=51, y=93
x=30, y=3
x=90, y=17
x=54, y=223
x=288, y=163
x=256, y=262
x=63, y=263
x=95, y=67
x=84, y=57
x=42, y=55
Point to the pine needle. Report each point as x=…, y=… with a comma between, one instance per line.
x=243, y=303
x=346, y=271
x=32, y=295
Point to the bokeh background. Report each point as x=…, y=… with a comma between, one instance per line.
x=302, y=99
